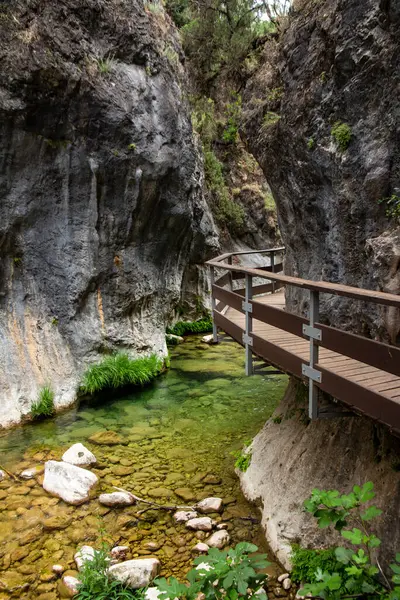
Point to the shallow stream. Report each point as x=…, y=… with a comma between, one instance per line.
x=173, y=445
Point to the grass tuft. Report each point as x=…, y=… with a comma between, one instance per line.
x=119, y=370
x=188, y=327
x=44, y=406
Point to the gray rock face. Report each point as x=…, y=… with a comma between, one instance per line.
x=68, y=482
x=102, y=219
x=336, y=62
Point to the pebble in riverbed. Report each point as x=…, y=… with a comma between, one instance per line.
x=200, y=524
x=79, y=455
x=210, y=505
x=182, y=516
x=219, y=539
x=117, y=499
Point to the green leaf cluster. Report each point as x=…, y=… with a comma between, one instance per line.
x=243, y=460
x=358, y=572
x=44, y=405
x=233, y=112
x=119, y=370
x=342, y=135
x=96, y=585
x=190, y=327
x=220, y=575
x=392, y=206
x=307, y=561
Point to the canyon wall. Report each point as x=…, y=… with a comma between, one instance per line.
x=103, y=223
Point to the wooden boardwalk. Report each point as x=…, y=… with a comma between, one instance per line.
x=362, y=373
x=369, y=377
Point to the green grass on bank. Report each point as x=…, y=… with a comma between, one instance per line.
x=44, y=406
x=187, y=327
x=119, y=370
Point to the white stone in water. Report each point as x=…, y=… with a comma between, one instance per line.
x=209, y=505
x=201, y=547
x=222, y=525
x=181, y=516
x=84, y=554
x=79, y=455
x=178, y=339
x=219, y=539
x=2, y=475
x=30, y=473
x=68, y=482
x=287, y=584
x=200, y=524
x=71, y=583
x=57, y=569
x=135, y=573
x=208, y=339
x=117, y=499
x=283, y=577
x=119, y=552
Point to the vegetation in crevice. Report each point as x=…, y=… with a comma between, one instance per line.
x=342, y=135
x=44, y=405
x=119, y=370
x=392, y=206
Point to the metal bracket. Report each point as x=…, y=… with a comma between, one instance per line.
x=312, y=332
x=247, y=339
x=311, y=373
x=247, y=306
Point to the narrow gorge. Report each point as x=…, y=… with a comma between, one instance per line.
x=140, y=140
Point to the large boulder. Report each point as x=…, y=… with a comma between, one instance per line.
x=79, y=455
x=135, y=573
x=68, y=482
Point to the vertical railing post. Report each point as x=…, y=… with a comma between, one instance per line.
x=247, y=339
x=273, y=270
x=213, y=306
x=310, y=371
x=230, y=283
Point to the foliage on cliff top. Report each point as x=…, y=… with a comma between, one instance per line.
x=360, y=573
x=119, y=370
x=44, y=406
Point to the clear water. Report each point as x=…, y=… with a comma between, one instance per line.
x=178, y=433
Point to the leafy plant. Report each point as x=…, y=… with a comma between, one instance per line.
x=359, y=572
x=220, y=575
x=275, y=94
x=270, y=118
x=243, y=459
x=342, y=135
x=44, y=406
x=54, y=321
x=17, y=260
x=307, y=561
x=392, y=206
x=132, y=147
x=104, y=65
x=233, y=110
x=277, y=420
x=311, y=143
x=188, y=327
x=119, y=370
x=96, y=585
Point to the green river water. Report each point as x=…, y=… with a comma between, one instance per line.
x=176, y=435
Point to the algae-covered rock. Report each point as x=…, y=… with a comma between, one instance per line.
x=160, y=493
x=68, y=482
x=107, y=438
x=13, y=582
x=186, y=494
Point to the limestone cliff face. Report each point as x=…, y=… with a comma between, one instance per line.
x=336, y=61
x=102, y=217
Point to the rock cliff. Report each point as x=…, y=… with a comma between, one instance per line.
x=102, y=218
x=336, y=62
x=322, y=119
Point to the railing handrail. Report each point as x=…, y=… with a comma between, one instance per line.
x=326, y=287
x=242, y=252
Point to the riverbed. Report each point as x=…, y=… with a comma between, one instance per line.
x=173, y=445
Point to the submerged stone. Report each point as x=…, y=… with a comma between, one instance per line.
x=209, y=505
x=117, y=499
x=79, y=455
x=107, y=438
x=219, y=539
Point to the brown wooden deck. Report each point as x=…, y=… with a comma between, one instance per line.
x=362, y=373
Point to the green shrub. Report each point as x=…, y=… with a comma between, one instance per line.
x=243, y=460
x=342, y=135
x=44, y=406
x=306, y=562
x=270, y=118
x=104, y=65
x=188, y=327
x=233, y=112
x=311, y=143
x=359, y=573
x=392, y=206
x=119, y=370
x=95, y=584
x=236, y=573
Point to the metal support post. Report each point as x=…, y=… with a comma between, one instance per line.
x=230, y=283
x=247, y=339
x=313, y=375
x=273, y=270
x=213, y=307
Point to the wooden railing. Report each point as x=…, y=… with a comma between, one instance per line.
x=327, y=378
